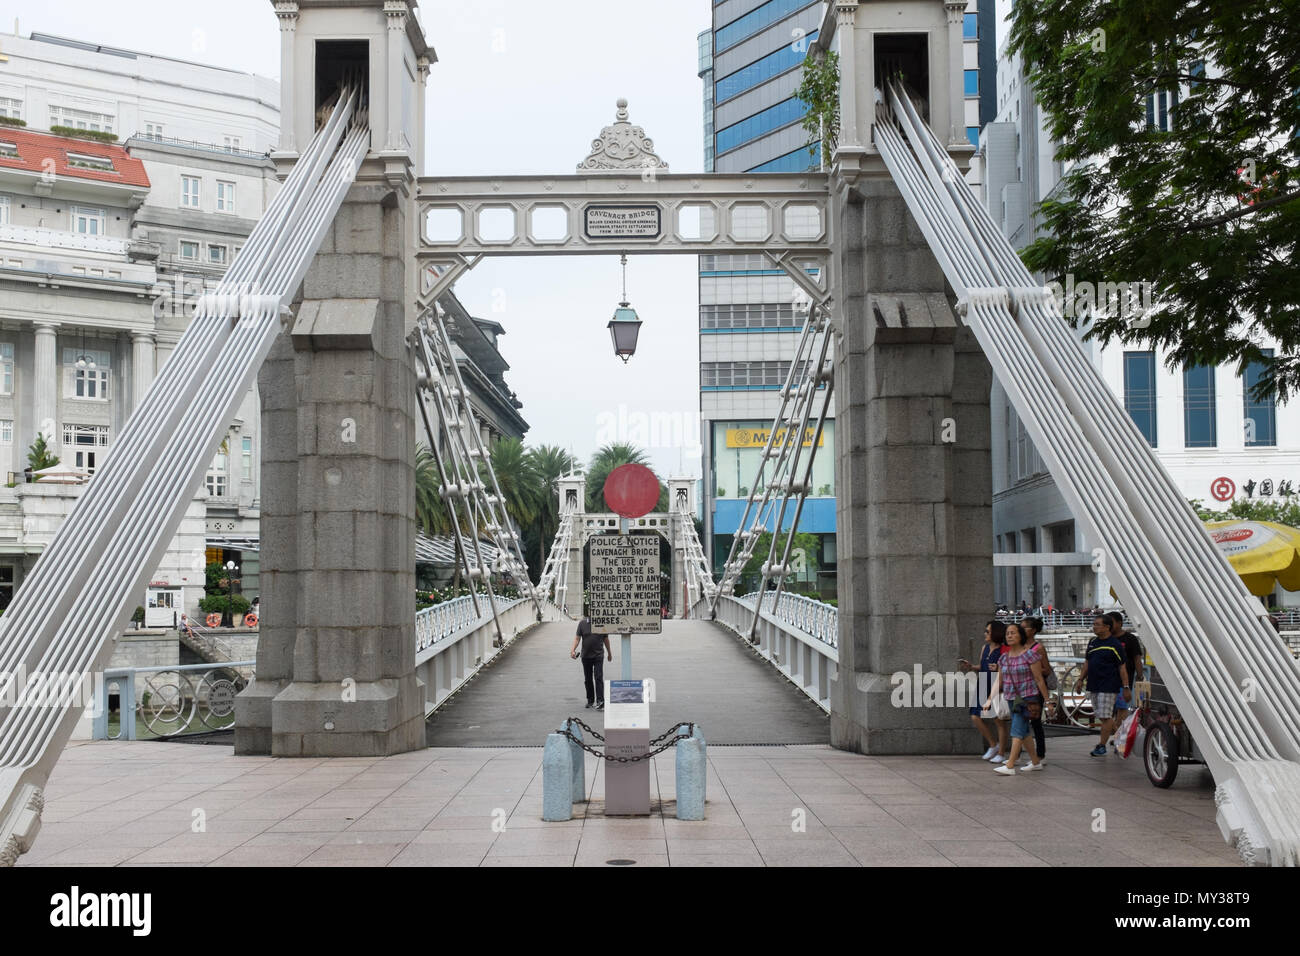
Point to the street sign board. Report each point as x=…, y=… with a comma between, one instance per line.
x=623, y=590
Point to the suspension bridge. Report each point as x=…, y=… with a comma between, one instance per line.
x=913, y=300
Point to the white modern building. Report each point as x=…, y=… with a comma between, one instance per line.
x=1215, y=442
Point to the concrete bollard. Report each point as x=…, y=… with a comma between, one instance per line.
x=557, y=779
x=578, y=761
x=691, y=773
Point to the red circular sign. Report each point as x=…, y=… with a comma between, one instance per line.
x=631, y=491
x=1223, y=489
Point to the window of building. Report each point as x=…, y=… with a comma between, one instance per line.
x=217, y=480
x=743, y=375
x=88, y=221
x=1198, y=407
x=190, y=192
x=973, y=134
x=6, y=585
x=189, y=250
x=4, y=210
x=799, y=161
x=1261, y=417
x=153, y=130
x=6, y=431
x=774, y=117
x=754, y=21
x=972, y=82
x=225, y=197
x=246, y=445
x=1160, y=110
x=1140, y=392
x=8, y=150
x=83, y=445
x=747, y=77
x=86, y=161
x=217, y=254
x=80, y=119
x=231, y=143
x=756, y=315
x=970, y=27
x=6, y=368
x=11, y=107
x=87, y=374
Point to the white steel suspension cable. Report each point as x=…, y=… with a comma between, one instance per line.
x=1165, y=566
x=130, y=509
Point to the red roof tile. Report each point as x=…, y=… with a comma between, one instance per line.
x=34, y=149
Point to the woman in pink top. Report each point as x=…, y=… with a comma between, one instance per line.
x=1020, y=679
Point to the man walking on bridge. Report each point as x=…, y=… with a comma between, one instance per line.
x=593, y=668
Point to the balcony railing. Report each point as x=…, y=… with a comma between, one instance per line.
x=59, y=239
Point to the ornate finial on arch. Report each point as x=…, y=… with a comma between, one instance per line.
x=622, y=147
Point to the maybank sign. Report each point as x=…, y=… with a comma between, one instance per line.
x=757, y=438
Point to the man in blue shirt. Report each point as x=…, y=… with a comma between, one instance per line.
x=1107, y=674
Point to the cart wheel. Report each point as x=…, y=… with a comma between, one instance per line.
x=1160, y=754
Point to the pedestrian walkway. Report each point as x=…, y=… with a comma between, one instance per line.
x=121, y=803
x=702, y=673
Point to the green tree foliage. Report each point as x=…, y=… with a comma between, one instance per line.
x=1281, y=511
x=517, y=477
x=550, y=463
x=431, y=512
x=39, y=455
x=1208, y=212
x=803, y=542
x=820, y=90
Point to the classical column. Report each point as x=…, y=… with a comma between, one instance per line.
x=142, y=367
x=396, y=12
x=45, y=375
x=846, y=12
x=956, y=11
x=287, y=12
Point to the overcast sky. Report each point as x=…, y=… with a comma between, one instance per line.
x=520, y=88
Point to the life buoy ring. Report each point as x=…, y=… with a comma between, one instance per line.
x=250, y=619
x=213, y=620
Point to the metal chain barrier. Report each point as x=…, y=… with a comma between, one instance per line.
x=669, y=739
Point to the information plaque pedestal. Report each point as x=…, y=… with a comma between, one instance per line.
x=627, y=785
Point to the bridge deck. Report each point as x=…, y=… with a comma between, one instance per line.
x=701, y=672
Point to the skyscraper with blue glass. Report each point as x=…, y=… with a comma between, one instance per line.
x=750, y=64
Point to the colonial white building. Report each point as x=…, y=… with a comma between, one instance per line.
x=104, y=247
x=1216, y=443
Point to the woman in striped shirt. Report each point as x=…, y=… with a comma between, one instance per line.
x=1020, y=679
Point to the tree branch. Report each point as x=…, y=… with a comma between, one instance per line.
x=1244, y=211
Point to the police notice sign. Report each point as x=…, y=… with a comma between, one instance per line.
x=623, y=590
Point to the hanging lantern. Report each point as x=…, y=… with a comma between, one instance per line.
x=625, y=326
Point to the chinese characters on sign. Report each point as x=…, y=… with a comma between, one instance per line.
x=1224, y=489
x=623, y=589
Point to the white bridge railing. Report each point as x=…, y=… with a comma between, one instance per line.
x=452, y=642
x=799, y=638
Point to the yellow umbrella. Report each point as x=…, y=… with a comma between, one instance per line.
x=1264, y=553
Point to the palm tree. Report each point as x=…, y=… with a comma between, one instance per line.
x=550, y=463
x=517, y=478
x=431, y=513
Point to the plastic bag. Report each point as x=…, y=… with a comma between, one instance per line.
x=1128, y=734
x=998, y=705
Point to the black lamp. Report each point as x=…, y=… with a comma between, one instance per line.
x=624, y=326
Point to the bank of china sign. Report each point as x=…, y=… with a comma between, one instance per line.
x=757, y=438
x=621, y=221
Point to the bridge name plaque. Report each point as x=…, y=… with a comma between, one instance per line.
x=623, y=589
x=604, y=221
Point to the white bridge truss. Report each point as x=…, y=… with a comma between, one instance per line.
x=468, y=482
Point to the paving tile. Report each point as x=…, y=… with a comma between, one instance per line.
x=804, y=852
x=264, y=856
x=553, y=860
x=363, y=854
x=433, y=855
